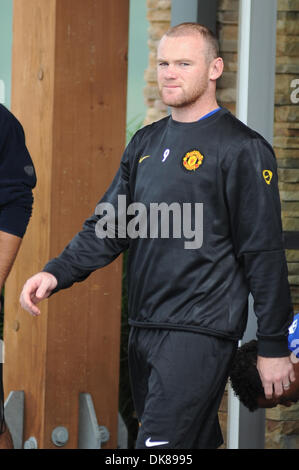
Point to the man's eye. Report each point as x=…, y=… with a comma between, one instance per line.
x=184, y=64
x=163, y=64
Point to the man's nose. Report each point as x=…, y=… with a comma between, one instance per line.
x=170, y=72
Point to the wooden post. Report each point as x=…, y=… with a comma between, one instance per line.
x=69, y=92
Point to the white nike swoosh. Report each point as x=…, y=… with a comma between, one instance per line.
x=150, y=443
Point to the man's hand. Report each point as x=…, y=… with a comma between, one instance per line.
x=37, y=288
x=276, y=374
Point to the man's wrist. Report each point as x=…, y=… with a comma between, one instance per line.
x=56, y=276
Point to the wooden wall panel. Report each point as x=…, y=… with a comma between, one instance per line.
x=69, y=91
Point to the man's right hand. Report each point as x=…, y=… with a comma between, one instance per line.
x=37, y=288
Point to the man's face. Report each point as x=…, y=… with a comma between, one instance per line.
x=183, y=69
x=289, y=396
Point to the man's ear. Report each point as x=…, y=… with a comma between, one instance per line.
x=216, y=68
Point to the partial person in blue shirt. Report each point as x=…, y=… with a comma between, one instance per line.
x=17, y=179
x=245, y=379
x=293, y=338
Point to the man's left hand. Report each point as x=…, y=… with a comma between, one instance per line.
x=276, y=374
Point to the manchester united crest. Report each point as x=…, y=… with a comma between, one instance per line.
x=192, y=160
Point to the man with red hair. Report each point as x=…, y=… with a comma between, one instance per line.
x=188, y=301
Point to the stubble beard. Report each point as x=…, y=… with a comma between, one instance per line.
x=185, y=98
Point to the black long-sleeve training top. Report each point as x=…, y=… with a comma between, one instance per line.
x=17, y=176
x=224, y=175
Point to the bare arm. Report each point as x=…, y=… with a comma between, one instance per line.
x=9, y=247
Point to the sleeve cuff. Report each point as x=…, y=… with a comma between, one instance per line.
x=273, y=347
x=52, y=268
x=15, y=221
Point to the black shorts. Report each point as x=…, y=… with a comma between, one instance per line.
x=178, y=380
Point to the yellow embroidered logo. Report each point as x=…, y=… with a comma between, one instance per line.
x=143, y=158
x=267, y=174
x=192, y=160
